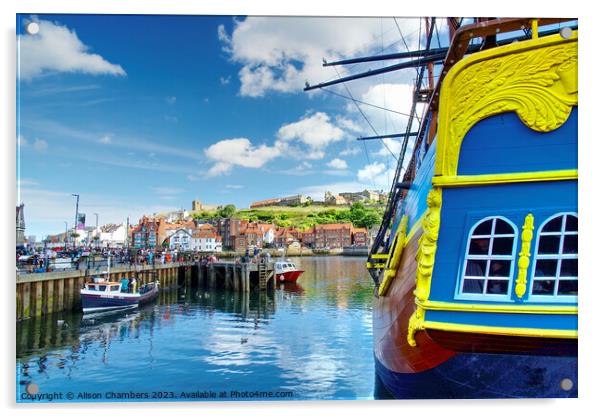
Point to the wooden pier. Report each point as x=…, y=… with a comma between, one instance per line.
x=40, y=294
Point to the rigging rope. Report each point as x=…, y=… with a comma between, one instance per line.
x=363, y=114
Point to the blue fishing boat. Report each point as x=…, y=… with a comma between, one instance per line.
x=105, y=295
x=476, y=262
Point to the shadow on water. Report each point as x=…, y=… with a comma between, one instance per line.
x=72, y=330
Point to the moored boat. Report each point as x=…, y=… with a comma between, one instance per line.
x=286, y=271
x=106, y=295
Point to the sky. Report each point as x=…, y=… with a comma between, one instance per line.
x=143, y=114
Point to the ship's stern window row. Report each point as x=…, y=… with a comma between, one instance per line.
x=489, y=261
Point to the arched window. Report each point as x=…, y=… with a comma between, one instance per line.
x=489, y=261
x=555, y=269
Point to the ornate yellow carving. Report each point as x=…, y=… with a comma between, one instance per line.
x=394, y=256
x=536, y=79
x=416, y=323
x=523, y=259
x=425, y=257
x=427, y=245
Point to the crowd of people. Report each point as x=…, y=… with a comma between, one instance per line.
x=30, y=260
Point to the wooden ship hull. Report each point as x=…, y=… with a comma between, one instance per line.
x=476, y=283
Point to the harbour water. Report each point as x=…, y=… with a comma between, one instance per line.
x=312, y=340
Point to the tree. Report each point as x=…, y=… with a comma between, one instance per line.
x=370, y=219
x=227, y=211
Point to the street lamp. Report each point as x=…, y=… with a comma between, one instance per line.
x=66, y=234
x=76, y=215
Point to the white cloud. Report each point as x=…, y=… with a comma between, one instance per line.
x=239, y=151
x=397, y=97
x=281, y=53
x=171, y=100
x=390, y=144
x=350, y=151
x=316, y=131
x=224, y=80
x=191, y=177
x=40, y=145
x=105, y=140
x=57, y=48
x=234, y=186
x=337, y=163
x=348, y=124
x=369, y=172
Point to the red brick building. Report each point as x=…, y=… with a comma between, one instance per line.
x=333, y=236
x=360, y=237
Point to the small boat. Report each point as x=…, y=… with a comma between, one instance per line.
x=107, y=295
x=286, y=271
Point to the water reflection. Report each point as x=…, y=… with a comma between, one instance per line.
x=312, y=338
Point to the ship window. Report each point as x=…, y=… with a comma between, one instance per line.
x=489, y=259
x=555, y=271
x=102, y=287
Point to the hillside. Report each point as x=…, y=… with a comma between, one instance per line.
x=301, y=217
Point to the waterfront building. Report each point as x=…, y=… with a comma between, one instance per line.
x=285, y=236
x=331, y=236
x=150, y=233
x=180, y=239
x=229, y=229
x=109, y=235
x=360, y=236
x=206, y=239
x=308, y=238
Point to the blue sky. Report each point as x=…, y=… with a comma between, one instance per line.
x=143, y=114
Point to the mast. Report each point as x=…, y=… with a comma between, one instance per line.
x=460, y=37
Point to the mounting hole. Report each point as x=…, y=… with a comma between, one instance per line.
x=32, y=388
x=566, y=384
x=566, y=33
x=32, y=28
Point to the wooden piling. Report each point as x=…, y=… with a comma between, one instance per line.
x=44, y=293
x=211, y=276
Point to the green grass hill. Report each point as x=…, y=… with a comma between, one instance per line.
x=302, y=217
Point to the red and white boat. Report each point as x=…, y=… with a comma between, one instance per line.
x=286, y=271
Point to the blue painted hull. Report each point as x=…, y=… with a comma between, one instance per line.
x=96, y=303
x=466, y=376
x=91, y=303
